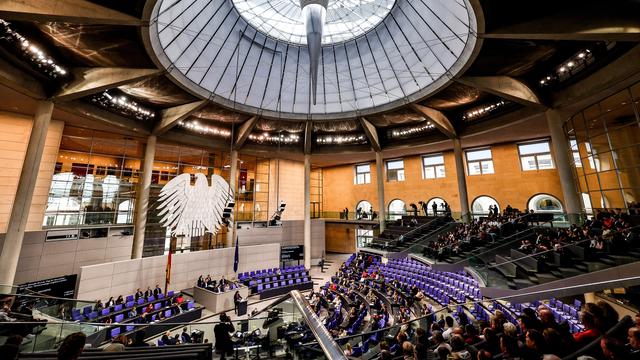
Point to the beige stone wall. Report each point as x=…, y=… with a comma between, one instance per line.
x=14, y=139
x=509, y=185
x=286, y=181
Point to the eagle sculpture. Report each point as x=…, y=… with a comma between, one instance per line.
x=193, y=210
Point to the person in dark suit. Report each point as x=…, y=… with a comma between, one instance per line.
x=434, y=207
x=236, y=301
x=222, y=332
x=157, y=290
x=148, y=292
x=185, y=338
x=139, y=294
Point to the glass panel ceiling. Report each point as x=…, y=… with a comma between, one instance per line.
x=282, y=19
x=251, y=56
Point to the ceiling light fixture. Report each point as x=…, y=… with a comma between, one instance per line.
x=352, y=139
x=30, y=52
x=572, y=66
x=410, y=130
x=484, y=110
x=195, y=126
x=275, y=138
x=123, y=105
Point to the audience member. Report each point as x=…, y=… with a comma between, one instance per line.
x=72, y=346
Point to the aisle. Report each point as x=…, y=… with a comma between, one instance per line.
x=332, y=264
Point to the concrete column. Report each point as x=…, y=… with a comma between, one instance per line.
x=142, y=198
x=233, y=184
x=462, y=181
x=382, y=210
x=24, y=195
x=560, y=145
x=307, y=211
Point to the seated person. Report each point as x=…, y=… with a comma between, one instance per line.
x=148, y=292
x=98, y=306
x=139, y=294
x=120, y=300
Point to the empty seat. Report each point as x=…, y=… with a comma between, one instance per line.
x=119, y=318
x=105, y=312
x=130, y=304
x=115, y=332
x=151, y=298
x=117, y=308
x=157, y=306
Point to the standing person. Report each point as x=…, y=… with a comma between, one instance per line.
x=236, y=301
x=358, y=212
x=222, y=331
x=346, y=213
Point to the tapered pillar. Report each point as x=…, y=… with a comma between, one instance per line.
x=142, y=198
x=24, y=195
x=307, y=211
x=382, y=212
x=233, y=184
x=560, y=145
x=314, y=13
x=462, y=181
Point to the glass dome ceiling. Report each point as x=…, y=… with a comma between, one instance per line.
x=250, y=61
x=282, y=19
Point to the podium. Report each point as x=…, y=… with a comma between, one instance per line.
x=242, y=307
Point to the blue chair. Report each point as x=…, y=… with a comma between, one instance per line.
x=154, y=317
x=117, y=308
x=298, y=281
x=92, y=315
x=86, y=310
x=119, y=318
x=167, y=313
x=160, y=296
x=129, y=298
x=290, y=282
x=260, y=288
x=191, y=305
x=283, y=283
x=105, y=312
x=129, y=328
x=160, y=343
x=129, y=304
x=170, y=293
x=151, y=298
x=115, y=332
x=157, y=306
x=140, y=301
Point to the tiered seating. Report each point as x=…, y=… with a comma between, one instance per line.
x=178, y=352
x=407, y=231
x=265, y=279
x=440, y=286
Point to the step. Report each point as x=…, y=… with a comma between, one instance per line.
x=523, y=283
x=546, y=277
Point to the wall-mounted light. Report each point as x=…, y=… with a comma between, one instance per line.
x=410, y=130
x=275, y=138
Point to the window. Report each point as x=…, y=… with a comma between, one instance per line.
x=480, y=205
x=479, y=162
x=365, y=210
x=535, y=156
x=396, y=209
x=440, y=207
x=594, y=159
x=363, y=174
x=433, y=166
x=575, y=152
x=395, y=170
x=545, y=203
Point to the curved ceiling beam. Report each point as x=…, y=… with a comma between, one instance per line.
x=244, y=131
x=308, y=136
x=372, y=134
x=172, y=116
x=606, y=24
x=68, y=11
x=104, y=116
x=439, y=120
x=89, y=81
x=505, y=87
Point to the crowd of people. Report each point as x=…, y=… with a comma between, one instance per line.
x=479, y=232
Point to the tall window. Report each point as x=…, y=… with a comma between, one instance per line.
x=535, y=156
x=594, y=159
x=363, y=174
x=575, y=152
x=363, y=237
x=433, y=166
x=395, y=170
x=479, y=162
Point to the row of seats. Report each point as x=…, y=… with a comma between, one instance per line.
x=88, y=313
x=251, y=275
x=275, y=284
